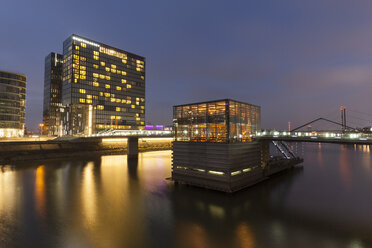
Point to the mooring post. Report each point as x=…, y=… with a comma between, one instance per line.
x=132, y=148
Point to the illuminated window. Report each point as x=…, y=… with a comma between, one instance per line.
x=118, y=88
x=95, y=53
x=113, y=99
x=76, y=57
x=129, y=86
x=138, y=69
x=107, y=69
x=133, y=106
x=83, y=77
x=138, y=119
x=100, y=107
x=137, y=103
x=113, y=70
x=123, y=101
x=83, y=45
x=107, y=94
x=95, y=66
x=123, y=73
x=102, y=63
x=142, y=107
x=112, y=117
x=118, y=100
x=142, y=123
x=129, y=101
x=119, y=71
x=95, y=75
x=123, y=81
x=108, y=78
x=95, y=97
x=118, y=109
x=113, y=66
x=142, y=77
x=75, y=80
x=95, y=84
x=89, y=96
x=83, y=72
x=101, y=76
x=82, y=100
x=82, y=91
x=124, y=61
x=75, y=66
x=95, y=57
x=77, y=47
x=83, y=58
x=89, y=101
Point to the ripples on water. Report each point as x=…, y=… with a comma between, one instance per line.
x=104, y=202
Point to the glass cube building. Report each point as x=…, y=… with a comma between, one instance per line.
x=103, y=87
x=226, y=121
x=12, y=104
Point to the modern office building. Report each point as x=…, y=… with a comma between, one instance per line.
x=52, y=107
x=213, y=146
x=103, y=87
x=12, y=104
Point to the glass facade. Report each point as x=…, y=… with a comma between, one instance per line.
x=52, y=107
x=12, y=104
x=226, y=121
x=107, y=82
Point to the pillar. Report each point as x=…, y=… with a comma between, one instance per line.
x=265, y=152
x=132, y=147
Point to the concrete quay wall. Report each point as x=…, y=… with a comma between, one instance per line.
x=26, y=150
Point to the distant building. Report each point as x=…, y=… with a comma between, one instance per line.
x=102, y=88
x=52, y=107
x=213, y=147
x=12, y=104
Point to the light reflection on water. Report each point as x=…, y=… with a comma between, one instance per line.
x=106, y=202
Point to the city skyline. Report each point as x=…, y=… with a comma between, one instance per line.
x=300, y=60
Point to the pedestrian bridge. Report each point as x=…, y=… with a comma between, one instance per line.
x=319, y=137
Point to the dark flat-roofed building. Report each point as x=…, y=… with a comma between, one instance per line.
x=52, y=106
x=103, y=87
x=12, y=104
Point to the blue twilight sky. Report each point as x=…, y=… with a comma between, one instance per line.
x=297, y=59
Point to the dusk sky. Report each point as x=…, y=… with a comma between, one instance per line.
x=298, y=60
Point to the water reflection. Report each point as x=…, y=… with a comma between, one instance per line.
x=111, y=202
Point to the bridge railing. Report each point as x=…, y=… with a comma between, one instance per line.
x=152, y=133
x=314, y=135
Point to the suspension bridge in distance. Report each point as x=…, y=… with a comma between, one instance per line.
x=344, y=135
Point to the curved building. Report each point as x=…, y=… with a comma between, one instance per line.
x=12, y=104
